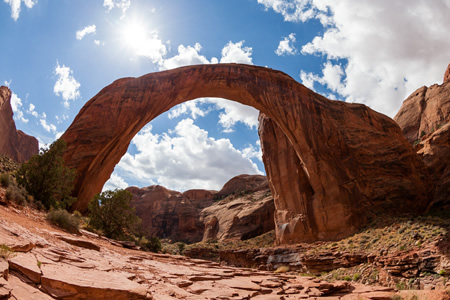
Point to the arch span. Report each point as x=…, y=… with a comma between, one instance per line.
x=327, y=161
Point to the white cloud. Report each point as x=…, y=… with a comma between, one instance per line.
x=151, y=47
x=123, y=5
x=66, y=85
x=286, y=46
x=291, y=10
x=16, y=4
x=235, y=112
x=16, y=104
x=253, y=152
x=115, y=182
x=86, y=30
x=184, y=158
x=236, y=53
x=31, y=110
x=48, y=127
x=186, y=56
x=381, y=50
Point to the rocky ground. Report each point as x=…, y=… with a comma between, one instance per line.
x=39, y=261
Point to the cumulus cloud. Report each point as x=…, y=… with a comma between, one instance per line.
x=184, y=158
x=291, y=10
x=16, y=104
x=381, y=50
x=31, y=110
x=123, y=5
x=16, y=4
x=236, y=53
x=115, y=182
x=80, y=34
x=48, y=127
x=286, y=46
x=66, y=85
x=187, y=55
x=151, y=47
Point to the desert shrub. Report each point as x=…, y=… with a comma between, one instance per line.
x=282, y=269
x=16, y=194
x=4, y=180
x=152, y=244
x=111, y=213
x=181, y=246
x=63, y=219
x=5, y=251
x=46, y=177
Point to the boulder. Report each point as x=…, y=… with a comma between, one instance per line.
x=354, y=158
x=14, y=143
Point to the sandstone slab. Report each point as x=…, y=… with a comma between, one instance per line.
x=63, y=281
x=27, y=265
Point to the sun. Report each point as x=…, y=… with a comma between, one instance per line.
x=134, y=35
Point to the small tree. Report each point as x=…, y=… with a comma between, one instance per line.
x=46, y=177
x=111, y=213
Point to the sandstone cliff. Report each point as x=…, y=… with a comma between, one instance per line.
x=425, y=121
x=13, y=143
x=242, y=209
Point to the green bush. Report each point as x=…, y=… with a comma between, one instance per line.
x=46, y=177
x=181, y=246
x=63, y=219
x=4, y=180
x=111, y=213
x=153, y=244
x=16, y=194
x=5, y=251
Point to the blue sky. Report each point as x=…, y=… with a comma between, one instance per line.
x=56, y=55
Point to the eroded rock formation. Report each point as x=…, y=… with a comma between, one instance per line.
x=242, y=209
x=13, y=143
x=354, y=158
x=425, y=121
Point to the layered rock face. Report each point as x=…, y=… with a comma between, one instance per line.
x=14, y=143
x=353, y=158
x=246, y=210
x=170, y=214
x=425, y=121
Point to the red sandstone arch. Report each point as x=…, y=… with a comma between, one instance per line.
x=329, y=162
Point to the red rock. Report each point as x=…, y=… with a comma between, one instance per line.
x=79, y=242
x=14, y=143
x=425, y=121
x=170, y=214
x=197, y=214
x=27, y=265
x=355, y=159
x=70, y=282
x=447, y=74
x=21, y=290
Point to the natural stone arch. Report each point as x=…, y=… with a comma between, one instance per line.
x=334, y=160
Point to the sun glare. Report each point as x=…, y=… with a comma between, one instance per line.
x=134, y=35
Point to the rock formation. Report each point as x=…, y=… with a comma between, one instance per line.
x=14, y=143
x=354, y=158
x=170, y=214
x=447, y=74
x=245, y=211
x=425, y=121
